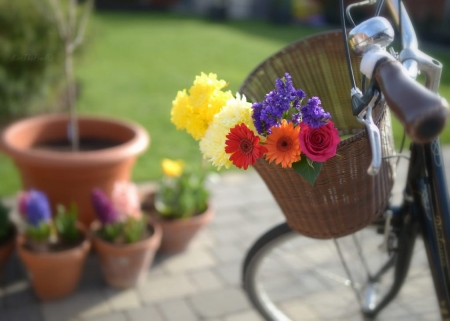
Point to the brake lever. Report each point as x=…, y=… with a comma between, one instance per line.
x=373, y=133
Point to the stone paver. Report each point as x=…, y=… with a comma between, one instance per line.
x=178, y=310
x=189, y=261
x=120, y=300
x=230, y=272
x=18, y=293
x=27, y=312
x=164, y=288
x=108, y=317
x=145, y=313
x=228, y=253
x=219, y=303
x=244, y=316
x=204, y=283
x=206, y=279
x=81, y=304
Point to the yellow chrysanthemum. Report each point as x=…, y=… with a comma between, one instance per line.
x=195, y=111
x=236, y=111
x=204, y=87
x=172, y=168
x=181, y=108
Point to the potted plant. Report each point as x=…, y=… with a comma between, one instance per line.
x=124, y=239
x=7, y=235
x=53, y=250
x=67, y=155
x=181, y=205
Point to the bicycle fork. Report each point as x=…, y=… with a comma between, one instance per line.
x=429, y=190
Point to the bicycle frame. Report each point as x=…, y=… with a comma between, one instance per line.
x=426, y=200
x=426, y=184
x=426, y=204
x=428, y=189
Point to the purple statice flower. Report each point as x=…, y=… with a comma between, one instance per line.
x=104, y=208
x=256, y=115
x=313, y=114
x=277, y=104
x=35, y=207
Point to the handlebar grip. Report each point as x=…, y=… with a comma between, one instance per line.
x=422, y=112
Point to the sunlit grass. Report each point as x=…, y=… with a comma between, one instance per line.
x=134, y=64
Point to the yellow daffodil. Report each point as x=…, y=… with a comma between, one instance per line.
x=172, y=168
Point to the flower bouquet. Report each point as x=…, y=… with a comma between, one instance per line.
x=282, y=128
x=124, y=238
x=319, y=180
x=51, y=248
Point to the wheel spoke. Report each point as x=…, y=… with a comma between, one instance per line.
x=291, y=279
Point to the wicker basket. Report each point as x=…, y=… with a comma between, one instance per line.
x=344, y=198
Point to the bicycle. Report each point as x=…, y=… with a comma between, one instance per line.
x=385, y=248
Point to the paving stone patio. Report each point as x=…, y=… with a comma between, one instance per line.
x=201, y=284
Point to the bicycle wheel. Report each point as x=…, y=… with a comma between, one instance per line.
x=292, y=278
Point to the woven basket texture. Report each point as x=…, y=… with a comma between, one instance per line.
x=344, y=198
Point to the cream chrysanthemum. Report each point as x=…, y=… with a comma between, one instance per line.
x=195, y=111
x=236, y=111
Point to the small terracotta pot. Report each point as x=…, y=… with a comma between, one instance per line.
x=178, y=233
x=54, y=275
x=7, y=247
x=69, y=177
x=125, y=266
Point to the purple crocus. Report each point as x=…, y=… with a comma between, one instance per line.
x=35, y=207
x=276, y=104
x=104, y=207
x=313, y=114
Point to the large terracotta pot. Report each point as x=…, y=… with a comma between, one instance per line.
x=127, y=265
x=54, y=275
x=178, y=233
x=66, y=176
x=7, y=247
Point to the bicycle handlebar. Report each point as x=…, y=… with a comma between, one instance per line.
x=422, y=112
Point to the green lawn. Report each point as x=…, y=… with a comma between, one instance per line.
x=134, y=64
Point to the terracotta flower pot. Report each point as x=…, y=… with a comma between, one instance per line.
x=54, y=275
x=125, y=266
x=66, y=176
x=7, y=247
x=178, y=233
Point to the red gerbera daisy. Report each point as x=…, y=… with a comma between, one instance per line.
x=244, y=146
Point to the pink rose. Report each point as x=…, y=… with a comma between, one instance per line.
x=319, y=144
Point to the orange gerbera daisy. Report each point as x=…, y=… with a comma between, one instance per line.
x=283, y=144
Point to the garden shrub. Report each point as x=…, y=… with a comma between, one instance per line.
x=31, y=59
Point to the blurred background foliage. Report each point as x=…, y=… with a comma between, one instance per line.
x=30, y=60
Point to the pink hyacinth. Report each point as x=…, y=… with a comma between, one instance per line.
x=125, y=199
